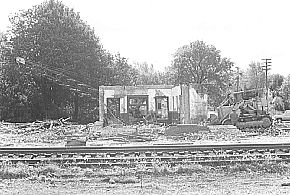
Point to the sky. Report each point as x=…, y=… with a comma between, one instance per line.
x=152, y=30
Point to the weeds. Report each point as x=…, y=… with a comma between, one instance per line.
x=265, y=167
x=49, y=169
x=10, y=171
x=17, y=171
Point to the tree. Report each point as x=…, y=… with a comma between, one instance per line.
x=276, y=81
x=254, y=77
x=119, y=71
x=55, y=37
x=16, y=86
x=147, y=75
x=285, y=91
x=202, y=64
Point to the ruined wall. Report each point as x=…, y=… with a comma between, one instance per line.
x=185, y=105
x=157, y=92
x=123, y=92
x=198, y=106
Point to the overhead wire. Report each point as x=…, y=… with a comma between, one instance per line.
x=45, y=70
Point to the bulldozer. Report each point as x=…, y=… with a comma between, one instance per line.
x=244, y=109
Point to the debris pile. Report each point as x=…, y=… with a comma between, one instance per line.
x=140, y=133
x=62, y=132
x=49, y=132
x=199, y=132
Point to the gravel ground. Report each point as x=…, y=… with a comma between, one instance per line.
x=177, y=184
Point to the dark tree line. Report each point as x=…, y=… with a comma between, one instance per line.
x=65, y=63
x=62, y=53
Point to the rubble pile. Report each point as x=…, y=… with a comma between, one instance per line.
x=49, y=132
x=204, y=133
x=62, y=132
x=138, y=133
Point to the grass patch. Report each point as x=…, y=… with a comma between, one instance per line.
x=265, y=167
x=48, y=170
x=17, y=171
x=9, y=171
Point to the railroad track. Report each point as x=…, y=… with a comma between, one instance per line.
x=148, y=154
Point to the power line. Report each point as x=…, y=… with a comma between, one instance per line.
x=59, y=77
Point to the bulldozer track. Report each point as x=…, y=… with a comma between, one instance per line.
x=148, y=154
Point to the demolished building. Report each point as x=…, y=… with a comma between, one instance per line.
x=152, y=103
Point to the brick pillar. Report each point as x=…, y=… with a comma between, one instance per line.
x=185, y=112
x=101, y=105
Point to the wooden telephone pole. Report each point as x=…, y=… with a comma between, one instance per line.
x=266, y=67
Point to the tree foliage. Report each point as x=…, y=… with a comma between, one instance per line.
x=275, y=82
x=202, y=64
x=285, y=92
x=119, y=71
x=55, y=37
x=147, y=75
x=253, y=77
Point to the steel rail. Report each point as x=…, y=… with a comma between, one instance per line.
x=144, y=148
x=130, y=155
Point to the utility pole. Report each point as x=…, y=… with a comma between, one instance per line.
x=238, y=78
x=266, y=67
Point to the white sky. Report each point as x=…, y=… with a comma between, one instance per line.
x=152, y=30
